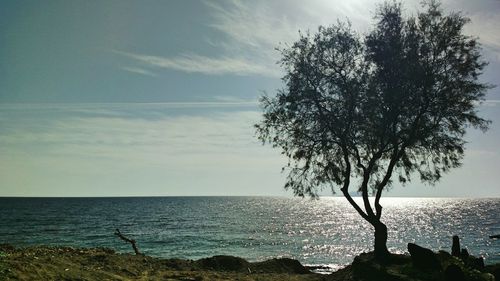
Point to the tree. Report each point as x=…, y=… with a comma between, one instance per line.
x=362, y=110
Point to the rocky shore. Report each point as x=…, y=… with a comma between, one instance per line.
x=66, y=263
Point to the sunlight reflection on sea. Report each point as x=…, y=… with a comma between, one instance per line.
x=317, y=232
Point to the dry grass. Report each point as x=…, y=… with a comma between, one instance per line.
x=63, y=263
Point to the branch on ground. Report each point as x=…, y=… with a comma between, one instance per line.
x=131, y=241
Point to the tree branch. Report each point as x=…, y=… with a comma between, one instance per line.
x=394, y=159
x=345, y=187
x=345, y=191
x=364, y=194
x=398, y=152
x=358, y=158
x=364, y=184
x=378, y=207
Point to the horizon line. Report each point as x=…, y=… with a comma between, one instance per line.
x=281, y=196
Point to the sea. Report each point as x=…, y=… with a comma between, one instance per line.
x=324, y=232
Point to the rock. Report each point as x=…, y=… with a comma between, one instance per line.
x=455, y=248
x=476, y=263
x=469, y=260
x=454, y=273
x=488, y=277
x=423, y=258
x=282, y=265
x=366, y=267
x=496, y=273
x=493, y=269
x=230, y=263
x=224, y=263
x=464, y=254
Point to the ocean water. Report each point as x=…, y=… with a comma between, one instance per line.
x=327, y=231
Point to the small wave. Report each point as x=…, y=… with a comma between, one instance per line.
x=324, y=268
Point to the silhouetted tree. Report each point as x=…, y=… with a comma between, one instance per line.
x=364, y=110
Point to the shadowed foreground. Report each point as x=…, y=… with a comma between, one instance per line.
x=66, y=263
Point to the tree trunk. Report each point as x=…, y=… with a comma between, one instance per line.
x=381, y=252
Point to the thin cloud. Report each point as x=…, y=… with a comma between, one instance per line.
x=237, y=100
x=253, y=30
x=192, y=63
x=138, y=70
x=255, y=25
x=490, y=102
x=210, y=132
x=95, y=154
x=485, y=26
x=256, y=28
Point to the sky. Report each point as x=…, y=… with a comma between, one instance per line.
x=159, y=98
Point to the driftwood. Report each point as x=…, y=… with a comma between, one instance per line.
x=131, y=241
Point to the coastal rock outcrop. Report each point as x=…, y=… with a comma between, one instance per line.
x=224, y=263
x=231, y=263
x=423, y=258
x=282, y=265
x=66, y=263
x=455, y=247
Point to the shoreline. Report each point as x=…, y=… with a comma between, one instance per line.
x=68, y=263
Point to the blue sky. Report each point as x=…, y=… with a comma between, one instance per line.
x=106, y=98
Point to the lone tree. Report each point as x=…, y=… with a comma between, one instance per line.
x=363, y=110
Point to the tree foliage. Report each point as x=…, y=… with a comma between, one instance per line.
x=390, y=104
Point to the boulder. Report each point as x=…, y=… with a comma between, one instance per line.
x=423, y=258
x=454, y=273
x=476, y=263
x=455, y=247
x=496, y=273
x=281, y=265
x=236, y=264
x=224, y=263
x=488, y=277
x=367, y=267
x=464, y=254
x=469, y=260
x=473, y=262
x=493, y=269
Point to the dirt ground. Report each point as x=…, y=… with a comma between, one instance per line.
x=65, y=263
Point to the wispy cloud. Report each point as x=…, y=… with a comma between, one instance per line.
x=139, y=71
x=116, y=125
x=236, y=100
x=490, y=103
x=192, y=63
x=256, y=28
x=484, y=15
x=484, y=24
x=62, y=150
x=252, y=30
x=251, y=25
